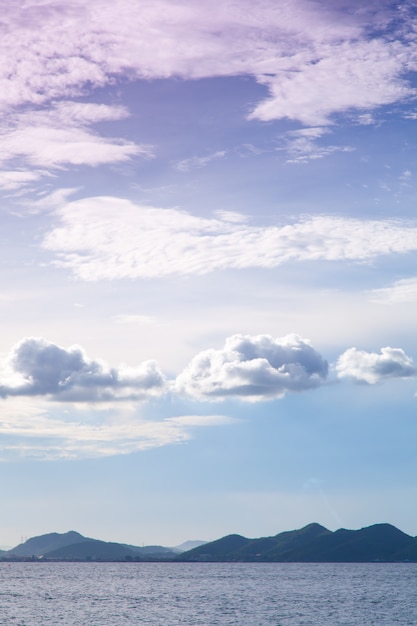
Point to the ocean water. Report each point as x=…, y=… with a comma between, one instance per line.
x=118, y=594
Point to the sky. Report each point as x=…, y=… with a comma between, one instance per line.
x=208, y=275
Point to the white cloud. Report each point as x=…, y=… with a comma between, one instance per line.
x=253, y=368
x=404, y=290
x=371, y=367
x=36, y=367
x=197, y=162
x=316, y=59
x=17, y=179
x=302, y=145
x=344, y=76
x=108, y=238
x=30, y=430
x=60, y=136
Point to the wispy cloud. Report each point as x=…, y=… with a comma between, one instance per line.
x=198, y=162
x=109, y=238
x=18, y=179
x=404, y=290
x=60, y=136
x=302, y=145
x=33, y=430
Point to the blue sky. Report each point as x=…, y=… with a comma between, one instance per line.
x=208, y=267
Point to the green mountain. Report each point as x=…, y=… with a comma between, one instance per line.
x=94, y=550
x=313, y=543
x=73, y=546
x=39, y=546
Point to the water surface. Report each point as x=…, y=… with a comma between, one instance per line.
x=210, y=594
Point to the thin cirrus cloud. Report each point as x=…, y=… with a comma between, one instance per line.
x=370, y=367
x=254, y=368
x=302, y=145
x=313, y=63
x=404, y=290
x=30, y=429
x=36, y=367
x=198, y=162
x=109, y=238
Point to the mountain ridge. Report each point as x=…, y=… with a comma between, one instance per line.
x=312, y=543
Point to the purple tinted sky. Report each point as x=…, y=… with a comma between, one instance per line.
x=208, y=267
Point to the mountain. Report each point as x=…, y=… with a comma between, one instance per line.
x=94, y=550
x=74, y=546
x=313, y=543
x=39, y=546
x=188, y=545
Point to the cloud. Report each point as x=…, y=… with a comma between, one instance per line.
x=36, y=367
x=106, y=238
x=370, y=367
x=404, y=290
x=253, y=368
x=60, y=136
x=31, y=430
x=345, y=76
x=302, y=145
x=17, y=179
x=315, y=58
x=197, y=162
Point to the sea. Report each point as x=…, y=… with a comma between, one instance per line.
x=211, y=594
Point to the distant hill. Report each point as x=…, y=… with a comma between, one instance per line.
x=313, y=543
x=188, y=545
x=93, y=549
x=74, y=546
x=39, y=546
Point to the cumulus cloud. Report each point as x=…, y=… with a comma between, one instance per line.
x=253, y=368
x=109, y=238
x=370, y=367
x=316, y=58
x=36, y=367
